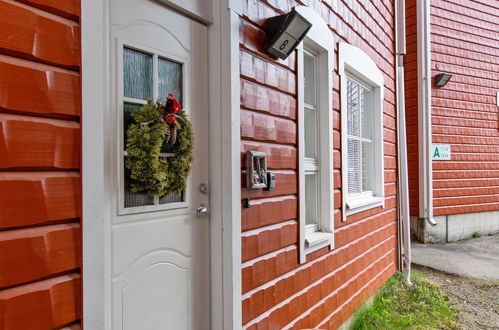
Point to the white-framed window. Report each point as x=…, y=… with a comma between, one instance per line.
x=362, y=165
x=315, y=149
x=145, y=74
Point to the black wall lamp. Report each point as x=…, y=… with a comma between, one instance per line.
x=442, y=79
x=285, y=32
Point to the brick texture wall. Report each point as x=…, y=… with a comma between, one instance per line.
x=465, y=43
x=40, y=199
x=278, y=292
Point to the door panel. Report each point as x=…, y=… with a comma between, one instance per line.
x=159, y=247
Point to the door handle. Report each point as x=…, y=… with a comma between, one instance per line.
x=202, y=209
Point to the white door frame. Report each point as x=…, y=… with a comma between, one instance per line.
x=225, y=167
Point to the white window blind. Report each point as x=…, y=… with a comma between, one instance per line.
x=360, y=146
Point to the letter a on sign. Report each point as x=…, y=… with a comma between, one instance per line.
x=441, y=152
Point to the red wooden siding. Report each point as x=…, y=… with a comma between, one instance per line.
x=411, y=105
x=465, y=43
x=278, y=292
x=40, y=185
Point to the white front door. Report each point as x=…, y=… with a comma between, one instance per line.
x=159, y=247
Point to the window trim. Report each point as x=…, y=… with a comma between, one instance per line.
x=320, y=41
x=121, y=99
x=357, y=65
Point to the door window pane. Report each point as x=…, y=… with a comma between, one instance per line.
x=139, y=83
x=137, y=74
x=169, y=79
x=135, y=199
x=311, y=198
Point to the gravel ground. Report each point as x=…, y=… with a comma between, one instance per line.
x=477, y=301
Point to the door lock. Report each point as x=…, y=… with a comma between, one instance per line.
x=203, y=187
x=202, y=209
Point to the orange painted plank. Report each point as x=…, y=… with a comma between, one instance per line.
x=257, y=126
x=268, y=239
x=34, y=142
x=261, y=98
x=33, y=36
x=29, y=198
x=67, y=8
x=255, y=273
x=39, y=89
x=265, y=212
x=256, y=302
x=34, y=253
x=42, y=305
x=267, y=72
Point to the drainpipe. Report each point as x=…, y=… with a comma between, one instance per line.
x=403, y=197
x=424, y=112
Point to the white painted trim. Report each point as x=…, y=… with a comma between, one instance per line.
x=198, y=10
x=353, y=61
x=95, y=212
x=225, y=169
x=424, y=111
x=319, y=39
x=224, y=126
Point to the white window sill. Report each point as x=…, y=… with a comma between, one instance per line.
x=317, y=240
x=356, y=205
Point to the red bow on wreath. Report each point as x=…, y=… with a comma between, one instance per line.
x=171, y=108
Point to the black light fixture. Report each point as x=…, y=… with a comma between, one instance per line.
x=285, y=32
x=442, y=79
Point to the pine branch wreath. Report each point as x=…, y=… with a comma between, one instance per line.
x=153, y=127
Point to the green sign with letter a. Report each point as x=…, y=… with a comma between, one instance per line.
x=440, y=152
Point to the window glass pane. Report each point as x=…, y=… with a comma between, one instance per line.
x=311, y=198
x=132, y=199
x=310, y=133
x=127, y=117
x=310, y=78
x=367, y=166
x=353, y=166
x=169, y=79
x=366, y=113
x=172, y=198
x=353, y=108
x=135, y=199
x=137, y=74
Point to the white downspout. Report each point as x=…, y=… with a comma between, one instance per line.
x=424, y=112
x=403, y=176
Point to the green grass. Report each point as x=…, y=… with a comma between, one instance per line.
x=476, y=234
x=398, y=306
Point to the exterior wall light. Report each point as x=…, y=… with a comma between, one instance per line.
x=285, y=32
x=442, y=79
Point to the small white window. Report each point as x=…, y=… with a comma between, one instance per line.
x=362, y=130
x=315, y=68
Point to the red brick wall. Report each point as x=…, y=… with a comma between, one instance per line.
x=278, y=292
x=411, y=105
x=40, y=200
x=465, y=43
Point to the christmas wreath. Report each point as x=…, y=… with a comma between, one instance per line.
x=158, y=125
